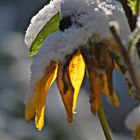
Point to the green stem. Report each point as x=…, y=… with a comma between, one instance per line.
x=104, y=123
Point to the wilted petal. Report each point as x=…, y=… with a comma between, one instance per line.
x=76, y=74
x=41, y=90
x=96, y=85
x=108, y=80
x=95, y=76
x=66, y=90
x=113, y=97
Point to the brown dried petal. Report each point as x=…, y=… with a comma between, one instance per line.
x=66, y=90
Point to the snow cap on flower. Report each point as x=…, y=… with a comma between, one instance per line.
x=90, y=19
x=65, y=53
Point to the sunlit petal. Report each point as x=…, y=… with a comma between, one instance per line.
x=76, y=74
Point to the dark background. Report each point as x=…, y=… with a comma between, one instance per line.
x=15, y=17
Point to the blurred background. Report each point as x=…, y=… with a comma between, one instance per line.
x=15, y=64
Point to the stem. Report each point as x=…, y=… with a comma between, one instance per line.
x=104, y=123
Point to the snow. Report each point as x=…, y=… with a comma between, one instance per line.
x=40, y=19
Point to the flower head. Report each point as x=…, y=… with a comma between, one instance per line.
x=82, y=43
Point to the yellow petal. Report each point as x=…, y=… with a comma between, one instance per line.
x=108, y=81
x=113, y=97
x=66, y=90
x=41, y=90
x=76, y=74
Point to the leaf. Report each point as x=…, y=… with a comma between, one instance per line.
x=50, y=27
x=135, y=6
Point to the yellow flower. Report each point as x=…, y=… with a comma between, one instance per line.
x=69, y=75
x=84, y=43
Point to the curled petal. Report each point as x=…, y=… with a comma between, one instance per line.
x=105, y=58
x=96, y=84
x=95, y=76
x=100, y=66
x=41, y=90
x=113, y=97
x=76, y=73
x=66, y=90
x=108, y=81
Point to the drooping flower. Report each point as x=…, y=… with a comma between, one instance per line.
x=84, y=42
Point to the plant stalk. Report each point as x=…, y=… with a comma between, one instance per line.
x=104, y=123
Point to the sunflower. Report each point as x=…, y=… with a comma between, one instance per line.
x=83, y=44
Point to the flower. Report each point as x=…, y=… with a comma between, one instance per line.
x=132, y=122
x=82, y=43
